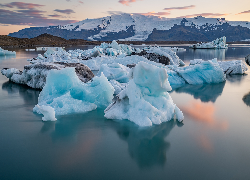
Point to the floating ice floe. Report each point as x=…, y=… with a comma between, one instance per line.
x=65, y=93
x=247, y=59
x=6, y=52
x=219, y=43
x=145, y=101
x=228, y=67
x=34, y=75
x=111, y=51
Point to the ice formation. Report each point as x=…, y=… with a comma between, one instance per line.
x=109, y=51
x=34, y=75
x=115, y=71
x=6, y=52
x=219, y=43
x=205, y=72
x=167, y=52
x=247, y=59
x=228, y=67
x=48, y=112
x=65, y=93
x=145, y=101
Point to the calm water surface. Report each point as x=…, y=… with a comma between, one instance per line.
x=212, y=143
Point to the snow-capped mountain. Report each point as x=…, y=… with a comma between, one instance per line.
x=136, y=27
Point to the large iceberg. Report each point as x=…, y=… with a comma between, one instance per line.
x=219, y=43
x=34, y=75
x=228, y=67
x=6, y=52
x=145, y=101
x=65, y=93
x=111, y=51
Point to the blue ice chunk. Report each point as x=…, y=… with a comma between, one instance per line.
x=67, y=94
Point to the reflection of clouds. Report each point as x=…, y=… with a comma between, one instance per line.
x=205, y=113
x=246, y=99
x=79, y=153
x=204, y=92
x=147, y=146
x=205, y=142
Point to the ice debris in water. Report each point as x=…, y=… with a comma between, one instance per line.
x=48, y=112
x=145, y=101
x=228, y=67
x=6, y=52
x=67, y=94
x=110, y=51
x=219, y=43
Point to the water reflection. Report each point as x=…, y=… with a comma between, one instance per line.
x=236, y=79
x=204, y=113
x=246, y=99
x=204, y=92
x=205, y=54
x=7, y=57
x=29, y=95
x=148, y=146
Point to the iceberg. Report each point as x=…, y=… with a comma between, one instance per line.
x=34, y=75
x=228, y=67
x=219, y=43
x=6, y=52
x=247, y=59
x=167, y=52
x=164, y=55
x=65, y=93
x=145, y=101
x=204, y=73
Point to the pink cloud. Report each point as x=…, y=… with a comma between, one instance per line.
x=244, y=12
x=180, y=8
x=126, y=2
x=210, y=15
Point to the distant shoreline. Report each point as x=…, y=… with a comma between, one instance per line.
x=50, y=40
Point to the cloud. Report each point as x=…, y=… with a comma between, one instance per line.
x=55, y=15
x=21, y=5
x=179, y=8
x=80, y=2
x=68, y=0
x=65, y=11
x=244, y=12
x=126, y=2
x=30, y=17
x=210, y=15
x=155, y=13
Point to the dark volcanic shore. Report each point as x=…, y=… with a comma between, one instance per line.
x=50, y=40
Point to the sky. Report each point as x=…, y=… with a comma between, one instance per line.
x=16, y=15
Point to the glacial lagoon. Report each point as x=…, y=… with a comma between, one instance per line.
x=211, y=143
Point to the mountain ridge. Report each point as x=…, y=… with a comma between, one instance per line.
x=135, y=27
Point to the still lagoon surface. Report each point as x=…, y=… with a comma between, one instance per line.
x=213, y=142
